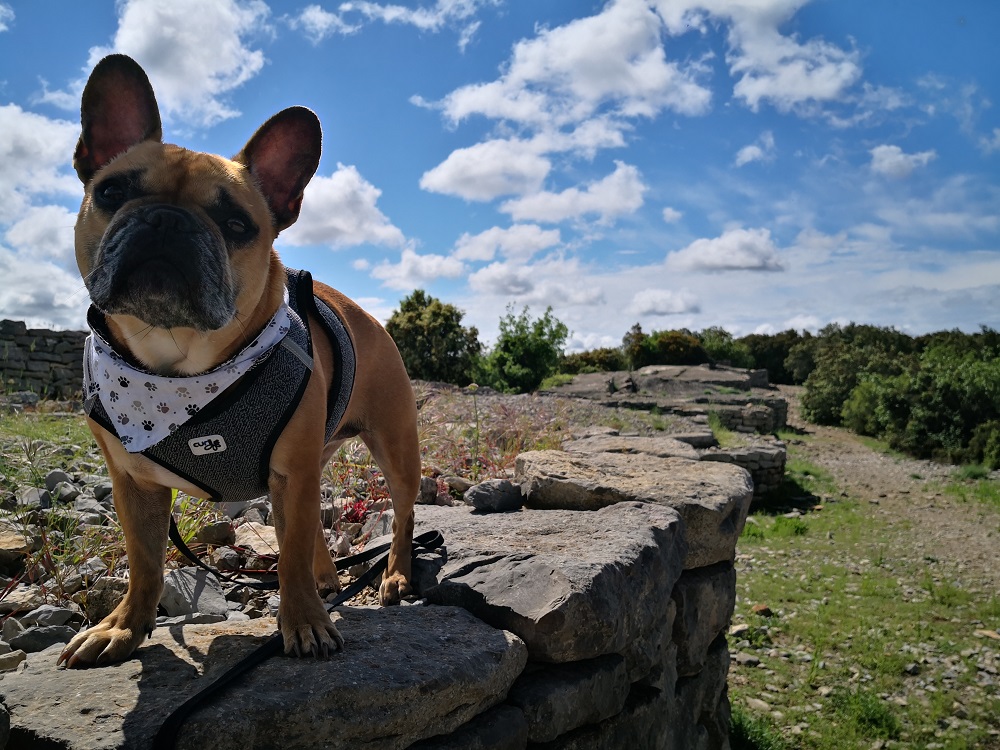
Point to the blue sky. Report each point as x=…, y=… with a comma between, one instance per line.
x=753, y=164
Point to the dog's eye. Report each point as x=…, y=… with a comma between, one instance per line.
x=236, y=226
x=110, y=194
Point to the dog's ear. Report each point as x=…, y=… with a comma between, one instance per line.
x=282, y=156
x=118, y=111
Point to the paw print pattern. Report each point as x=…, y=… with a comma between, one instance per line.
x=137, y=406
x=126, y=440
x=183, y=392
x=212, y=388
x=123, y=381
x=123, y=419
x=191, y=409
x=147, y=425
x=113, y=396
x=173, y=427
x=162, y=408
x=150, y=386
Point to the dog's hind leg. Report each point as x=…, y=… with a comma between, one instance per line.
x=397, y=454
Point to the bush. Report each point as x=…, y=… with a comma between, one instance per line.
x=721, y=347
x=432, y=341
x=984, y=447
x=527, y=351
x=772, y=352
x=608, y=359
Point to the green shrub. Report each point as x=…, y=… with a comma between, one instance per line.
x=432, y=341
x=721, y=347
x=526, y=352
x=984, y=445
x=772, y=352
x=607, y=359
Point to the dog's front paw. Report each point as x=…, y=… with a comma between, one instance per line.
x=394, y=589
x=307, y=629
x=107, y=642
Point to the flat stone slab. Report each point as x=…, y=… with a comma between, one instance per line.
x=712, y=498
x=660, y=446
x=558, y=578
x=406, y=673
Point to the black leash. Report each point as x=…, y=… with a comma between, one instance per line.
x=166, y=735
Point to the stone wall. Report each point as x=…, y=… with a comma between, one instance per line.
x=591, y=612
x=48, y=363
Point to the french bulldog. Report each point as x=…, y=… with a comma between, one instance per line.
x=176, y=250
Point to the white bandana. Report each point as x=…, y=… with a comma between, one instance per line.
x=145, y=408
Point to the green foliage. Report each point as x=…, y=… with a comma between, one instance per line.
x=527, y=351
x=607, y=359
x=749, y=732
x=772, y=353
x=662, y=348
x=432, y=341
x=722, y=348
x=868, y=713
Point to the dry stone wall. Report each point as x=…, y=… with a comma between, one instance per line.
x=47, y=363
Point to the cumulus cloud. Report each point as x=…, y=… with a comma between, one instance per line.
x=734, y=250
x=414, y=270
x=663, y=302
x=488, y=170
x=621, y=192
x=890, y=161
x=990, y=143
x=35, y=152
x=193, y=65
x=44, y=232
x=41, y=293
x=6, y=16
x=770, y=66
x=566, y=74
x=517, y=242
x=340, y=211
x=540, y=284
x=671, y=215
x=317, y=23
x=761, y=150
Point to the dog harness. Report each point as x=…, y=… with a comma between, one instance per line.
x=224, y=447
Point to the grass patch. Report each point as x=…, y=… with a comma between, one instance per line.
x=971, y=472
x=554, y=381
x=725, y=437
x=868, y=714
x=783, y=526
x=985, y=491
x=749, y=732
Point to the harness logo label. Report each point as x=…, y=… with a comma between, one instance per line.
x=207, y=445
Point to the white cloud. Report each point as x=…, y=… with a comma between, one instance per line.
x=6, y=16
x=663, y=302
x=518, y=242
x=42, y=294
x=538, y=284
x=339, y=211
x=488, y=170
x=619, y=193
x=734, y=250
x=990, y=143
x=317, y=24
x=769, y=66
x=761, y=150
x=890, y=161
x=564, y=75
x=194, y=52
x=44, y=232
x=414, y=271
x=671, y=215
x=35, y=152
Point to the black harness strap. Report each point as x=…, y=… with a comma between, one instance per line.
x=166, y=736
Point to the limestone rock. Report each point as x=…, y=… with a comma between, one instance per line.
x=660, y=446
x=190, y=590
x=495, y=496
x=557, y=578
x=559, y=698
x=500, y=728
x=712, y=498
x=41, y=637
x=406, y=673
x=705, y=600
x=260, y=538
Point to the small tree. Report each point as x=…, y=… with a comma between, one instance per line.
x=527, y=351
x=432, y=341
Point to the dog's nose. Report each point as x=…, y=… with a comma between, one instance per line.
x=169, y=218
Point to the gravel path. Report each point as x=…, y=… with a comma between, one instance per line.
x=920, y=520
